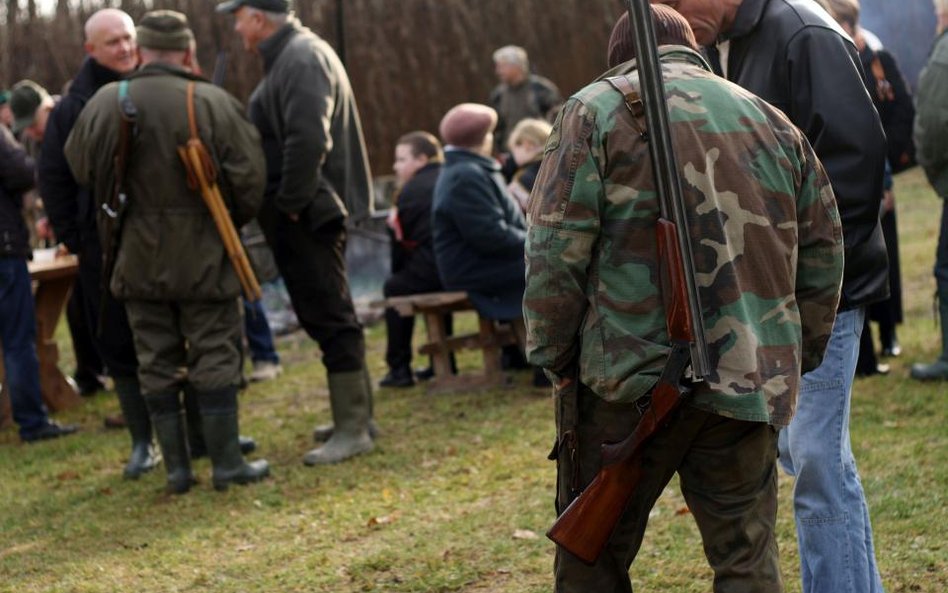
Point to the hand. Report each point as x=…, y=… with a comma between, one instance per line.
x=294, y=217
x=43, y=230
x=888, y=201
x=62, y=250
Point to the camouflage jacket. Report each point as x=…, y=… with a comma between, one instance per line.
x=764, y=228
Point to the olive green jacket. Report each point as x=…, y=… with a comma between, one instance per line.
x=170, y=249
x=931, y=117
x=306, y=112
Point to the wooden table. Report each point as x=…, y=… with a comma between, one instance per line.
x=52, y=281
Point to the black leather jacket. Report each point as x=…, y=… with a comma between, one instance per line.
x=801, y=62
x=70, y=208
x=16, y=177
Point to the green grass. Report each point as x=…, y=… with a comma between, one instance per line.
x=436, y=507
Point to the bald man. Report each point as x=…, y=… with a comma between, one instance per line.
x=110, y=48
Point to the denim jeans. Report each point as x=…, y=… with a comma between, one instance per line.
x=18, y=338
x=259, y=336
x=833, y=529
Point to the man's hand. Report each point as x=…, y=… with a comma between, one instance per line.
x=62, y=250
x=294, y=217
x=888, y=201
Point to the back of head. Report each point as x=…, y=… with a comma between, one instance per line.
x=467, y=125
x=671, y=28
x=165, y=30
x=423, y=143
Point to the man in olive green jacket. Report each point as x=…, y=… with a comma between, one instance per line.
x=172, y=269
x=931, y=141
x=318, y=176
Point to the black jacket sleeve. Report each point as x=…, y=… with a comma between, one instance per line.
x=17, y=172
x=57, y=186
x=829, y=102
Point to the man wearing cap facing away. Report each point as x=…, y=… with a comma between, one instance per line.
x=172, y=271
x=31, y=105
x=768, y=257
x=317, y=163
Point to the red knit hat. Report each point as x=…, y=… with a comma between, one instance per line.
x=670, y=29
x=466, y=125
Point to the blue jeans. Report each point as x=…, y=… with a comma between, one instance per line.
x=833, y=529
x=18, y=338
x=259, y=336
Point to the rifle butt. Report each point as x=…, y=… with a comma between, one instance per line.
x=586, y=525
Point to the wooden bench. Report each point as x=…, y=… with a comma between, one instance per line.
x=489, y=339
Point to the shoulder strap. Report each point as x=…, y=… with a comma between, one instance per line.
x=192, y=115
x=633, y=102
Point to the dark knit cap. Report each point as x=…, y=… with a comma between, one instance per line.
x=164, y=30
x=670, y=29
x=278, y=6
x=466, y=125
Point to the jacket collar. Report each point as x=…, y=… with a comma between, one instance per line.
x=91, y=77
x=666, y=53
x=748, y=16
x=159, y=68
x=271, y=47
x=456, y=154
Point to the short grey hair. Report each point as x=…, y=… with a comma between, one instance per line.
x=276, y=18
x=512, y=54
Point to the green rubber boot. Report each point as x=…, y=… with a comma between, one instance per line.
x=938, y=370
x=219, y=419
x=351, y=400
x=144, y=456
x=323, y=432
x=167, y=418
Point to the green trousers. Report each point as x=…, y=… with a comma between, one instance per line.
x=202, y=336
x=727, y=471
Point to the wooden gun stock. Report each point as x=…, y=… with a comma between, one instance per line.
x=586, y=525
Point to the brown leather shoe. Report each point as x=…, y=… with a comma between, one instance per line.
x=116, y=421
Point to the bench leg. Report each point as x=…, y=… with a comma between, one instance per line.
x=437, y=334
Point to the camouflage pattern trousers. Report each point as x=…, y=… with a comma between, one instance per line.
x=727, y=471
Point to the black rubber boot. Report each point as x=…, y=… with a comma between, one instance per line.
x=196, y=429
x=144, y=456
x=938, y=370
x=167, y=417
x=219, y=419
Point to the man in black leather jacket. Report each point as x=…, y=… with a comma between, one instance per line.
x=791, y=53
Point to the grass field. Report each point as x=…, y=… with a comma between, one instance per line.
x=456, y=496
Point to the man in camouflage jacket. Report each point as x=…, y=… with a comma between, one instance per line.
x=768, y=257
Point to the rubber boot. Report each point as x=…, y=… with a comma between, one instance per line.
x=350, y=397
x=167, y=418
x=196, y=429
x=938, y=370
x=219, y=420
x=144, y=456
x=323, y=432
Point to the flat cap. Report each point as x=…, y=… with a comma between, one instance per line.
x=466, y=125
x=266, y=5
x=164, y=29
x=25, y=98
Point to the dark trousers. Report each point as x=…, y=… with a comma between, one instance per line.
x=18, y=339
x=202, y=336
x=400, y=329
x=111, y=333
x=727, y=469
x=941, y=256
x=313, y=265
x=88, y=362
